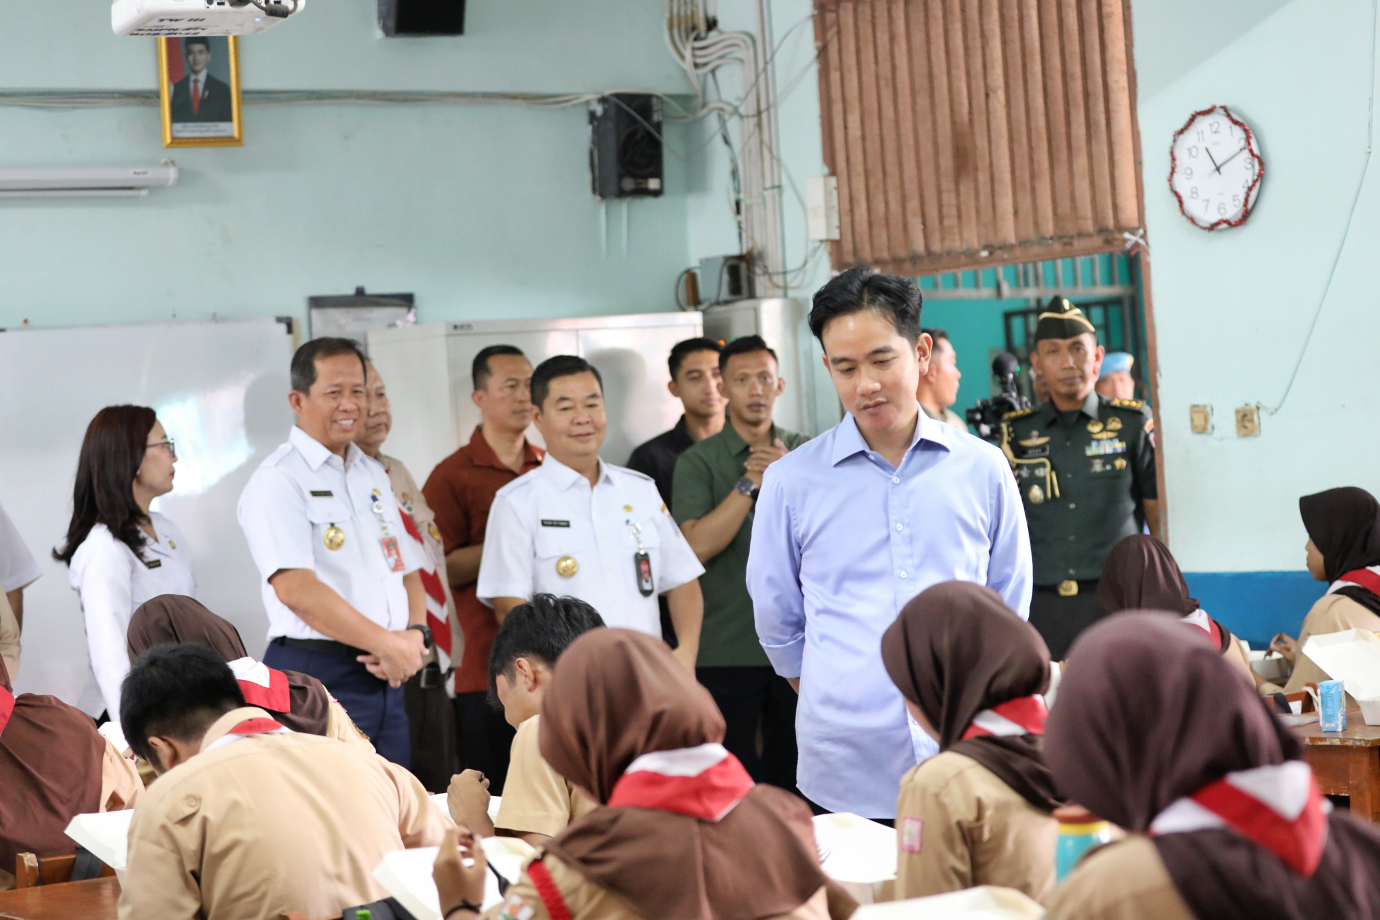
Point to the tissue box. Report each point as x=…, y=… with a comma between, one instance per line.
x=1352, y=657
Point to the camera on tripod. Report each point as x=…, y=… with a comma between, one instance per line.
x=986, y=415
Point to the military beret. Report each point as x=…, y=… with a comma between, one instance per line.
x=1116, y=361
x=1061, y=320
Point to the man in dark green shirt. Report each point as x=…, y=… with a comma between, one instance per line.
x=1086, y=468
x=715, y=488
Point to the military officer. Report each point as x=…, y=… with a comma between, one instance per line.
x=1086, y=468
x=578, y=526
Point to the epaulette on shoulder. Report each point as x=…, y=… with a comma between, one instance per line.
x=1127, y=403
x=1020, y=413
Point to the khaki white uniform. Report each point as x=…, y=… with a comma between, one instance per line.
x=537, y=799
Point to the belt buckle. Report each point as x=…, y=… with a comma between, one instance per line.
x=1068, y=588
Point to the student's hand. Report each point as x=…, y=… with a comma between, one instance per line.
x=761, y=458
x=456, y=882
x=1287, y=648
x=468, y=799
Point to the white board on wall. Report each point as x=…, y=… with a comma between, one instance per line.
x=220, y=390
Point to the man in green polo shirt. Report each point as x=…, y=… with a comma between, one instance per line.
x=714, y=491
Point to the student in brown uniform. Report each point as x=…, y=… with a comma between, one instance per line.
x=1156, y=733
x=1141, y=574
x=980, y=811
x=1344, y=550
x=54, y=765
x=299, y=701
x=538, y=803
x=685, y=835
x=247, y=819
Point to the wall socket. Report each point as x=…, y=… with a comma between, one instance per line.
x=1200, y=419
x=1247, y=421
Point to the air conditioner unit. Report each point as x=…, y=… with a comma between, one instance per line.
x=85, y=181
x=169, y=18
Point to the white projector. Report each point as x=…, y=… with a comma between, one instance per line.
x=171, y=18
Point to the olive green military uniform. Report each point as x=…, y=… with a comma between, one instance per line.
x=1083, y=477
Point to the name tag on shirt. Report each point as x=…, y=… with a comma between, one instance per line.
x=546, y=522
x=153, y=563
x=392, y=553
x=322, y=493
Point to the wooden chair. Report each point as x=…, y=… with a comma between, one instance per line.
x=30, y=871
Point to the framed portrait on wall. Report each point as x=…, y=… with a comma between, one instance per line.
x=199, y=86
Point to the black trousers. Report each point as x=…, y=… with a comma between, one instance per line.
x=486, y=739
x=1059, y=620
x=757, y=701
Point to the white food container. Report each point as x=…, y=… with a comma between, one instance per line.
x=1353, y=657
x=985, y=903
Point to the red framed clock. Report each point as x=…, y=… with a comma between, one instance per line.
x=1215, y=169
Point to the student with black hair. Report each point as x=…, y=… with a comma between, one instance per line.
x=248, y=819
x=537, y=802
x=583, y=527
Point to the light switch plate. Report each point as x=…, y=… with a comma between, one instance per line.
x=1200, y=419
x=1247, y=421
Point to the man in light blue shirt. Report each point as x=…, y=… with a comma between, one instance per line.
x=852, y=525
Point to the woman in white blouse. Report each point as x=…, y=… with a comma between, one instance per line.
x=119, y=553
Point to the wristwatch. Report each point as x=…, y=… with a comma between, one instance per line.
x=745, y=487
x=425, y=630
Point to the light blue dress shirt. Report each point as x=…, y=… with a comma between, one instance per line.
x=841, y=541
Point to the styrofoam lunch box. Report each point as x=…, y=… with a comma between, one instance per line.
x=1353, y=657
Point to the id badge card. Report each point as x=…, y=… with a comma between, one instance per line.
x=643, y=564
x=392, y=553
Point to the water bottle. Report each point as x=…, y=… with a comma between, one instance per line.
x=1079, y=831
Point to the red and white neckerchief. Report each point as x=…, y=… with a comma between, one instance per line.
x=1368, y=578
x=254, y=725
x=1278, y=807
x=436, y=615
x=703, y=782
x=261, y=685
x=6, y=707
x=1200, y=619
x=1024, y=715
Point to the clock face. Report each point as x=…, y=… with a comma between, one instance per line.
x=1215, y=169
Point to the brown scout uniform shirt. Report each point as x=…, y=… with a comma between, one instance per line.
x=271, y=823
x=959, y=826
x=1121, y=881
x=537, y=799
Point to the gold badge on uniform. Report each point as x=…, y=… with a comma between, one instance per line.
x=1114, y=423
x=1034, y=440
x=1068, y=588
x=1037, y=494
x=1095, y=426
x=335, y=538
x=435, y=533
x=628, y=508
x=172, y=545
x=1119, y=463
x=566, y=566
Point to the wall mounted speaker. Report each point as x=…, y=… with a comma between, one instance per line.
x=422, y=17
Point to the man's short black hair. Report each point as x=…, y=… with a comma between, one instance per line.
x=188, y=42
x=682, y=350
x=480, y=370
x=539, y=630
x=862, y=288
x=175, y=691
x=304, y=361
x=937, y=334
x=744, y=345
x=554, y=368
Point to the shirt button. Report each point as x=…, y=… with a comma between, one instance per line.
x=896, y=479
x=898, y=527
x=903, y=574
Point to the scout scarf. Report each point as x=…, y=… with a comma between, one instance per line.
x=261, y=685
x=1344, y=524
x=976, y=672
x=1156, y=733
x=247, y=727
x=685, y=835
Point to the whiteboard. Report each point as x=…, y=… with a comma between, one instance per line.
x=220, y=390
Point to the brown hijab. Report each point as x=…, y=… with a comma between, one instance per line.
x=957, y=649
x=616, y=695
x=1344, y=524
x=1140, y=574
x=1148, y=714
x=172, y=619
x=50, y=771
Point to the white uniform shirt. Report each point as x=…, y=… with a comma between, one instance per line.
x=113, y=582
x=18, y=568
x=552, y=513
x=294, y=498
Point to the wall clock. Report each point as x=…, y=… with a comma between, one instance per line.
x=1215, y=169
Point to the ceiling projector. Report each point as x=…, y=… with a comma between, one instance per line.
x=170, y=18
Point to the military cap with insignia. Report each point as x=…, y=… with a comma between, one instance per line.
x=1061, y=320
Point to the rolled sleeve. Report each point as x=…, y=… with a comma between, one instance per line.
x=1009, y=570
x=679, y=564
x=506, y=568
x=273, y=516
x=773, y=580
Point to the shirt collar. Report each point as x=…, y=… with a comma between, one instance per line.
x=316, y=453
x=481, y=454
x=1051, y=413
x=734, y=441
x=221, y=727
x=564, y=477
x=849, y=441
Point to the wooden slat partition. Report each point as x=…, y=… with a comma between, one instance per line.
x=973, y=132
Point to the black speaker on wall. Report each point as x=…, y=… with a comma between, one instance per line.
x=422, y=17
x=625, y=145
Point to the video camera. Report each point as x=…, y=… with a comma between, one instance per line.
x=987, y=414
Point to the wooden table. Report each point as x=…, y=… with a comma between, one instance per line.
x=1347, y=763
x=97, y=899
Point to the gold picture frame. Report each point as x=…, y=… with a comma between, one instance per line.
x=200, y=123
